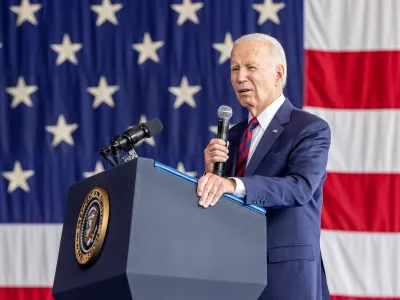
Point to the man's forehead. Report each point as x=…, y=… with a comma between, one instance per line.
x=251, y=46
x=244, y=62
x=248, y=51
x=252, y=56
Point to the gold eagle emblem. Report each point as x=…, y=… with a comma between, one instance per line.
x=91, y=226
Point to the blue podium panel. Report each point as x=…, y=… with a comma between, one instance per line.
x=160, y=244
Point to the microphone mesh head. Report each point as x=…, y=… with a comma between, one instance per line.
x=154, y=126
x=224, y=112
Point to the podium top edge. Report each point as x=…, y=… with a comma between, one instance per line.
x=193, y=180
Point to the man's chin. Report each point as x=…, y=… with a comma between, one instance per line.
x=245, y=100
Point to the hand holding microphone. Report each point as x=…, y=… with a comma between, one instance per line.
x=211, y=186
x=216, y=153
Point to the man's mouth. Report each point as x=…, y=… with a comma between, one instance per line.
x=244, y=90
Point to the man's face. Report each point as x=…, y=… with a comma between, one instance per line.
x=254, y=75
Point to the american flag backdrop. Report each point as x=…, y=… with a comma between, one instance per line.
x=73, y=73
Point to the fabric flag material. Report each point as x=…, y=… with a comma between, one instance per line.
x=75, y=73
x=352, y=68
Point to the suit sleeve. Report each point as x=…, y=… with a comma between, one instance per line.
x=306, y=169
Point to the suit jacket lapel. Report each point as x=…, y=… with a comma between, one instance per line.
x=269, y=137
x=271, y=134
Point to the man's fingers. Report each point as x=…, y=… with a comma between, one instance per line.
x=217, y=195
x=213, y=190
x=201, y=183
x=219, y=147
x=213, y=195
x=216, y=141
x=218, y=158
x=210, y=196
x=215, y=153
x=218, y=152
x=206, y=190
x=213, y=156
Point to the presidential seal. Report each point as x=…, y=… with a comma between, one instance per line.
x=92, y=226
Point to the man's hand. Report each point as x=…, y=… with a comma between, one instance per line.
x=210, y=188
x=216, y=151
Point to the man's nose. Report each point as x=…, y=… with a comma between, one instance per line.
x=242, y=76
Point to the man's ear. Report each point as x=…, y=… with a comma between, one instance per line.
x=280, y=71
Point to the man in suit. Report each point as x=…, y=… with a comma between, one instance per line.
x=276, y=159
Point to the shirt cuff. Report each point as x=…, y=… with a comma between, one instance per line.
x=240, y=190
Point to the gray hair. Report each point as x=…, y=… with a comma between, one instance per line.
x=275, y=48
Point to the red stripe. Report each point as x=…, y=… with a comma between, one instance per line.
x=352, y=80
x=45, y=294
x=360, y=298
x=362, y=202
x=248, y=137
x=240, y=172
x=243, y=156
x=21, y=293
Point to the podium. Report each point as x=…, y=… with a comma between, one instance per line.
x=137, y=232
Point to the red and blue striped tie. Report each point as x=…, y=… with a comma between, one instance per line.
x=244, y=147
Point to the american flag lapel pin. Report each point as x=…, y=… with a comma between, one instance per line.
x=275, y=130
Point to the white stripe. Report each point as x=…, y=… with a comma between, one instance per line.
x=363, y=141
x=28, y=254
x=28, y=257
x=362, y=264
x=346, y=25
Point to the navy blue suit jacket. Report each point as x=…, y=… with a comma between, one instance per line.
x=285, y=176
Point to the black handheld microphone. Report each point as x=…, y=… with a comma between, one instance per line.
x=224, y=115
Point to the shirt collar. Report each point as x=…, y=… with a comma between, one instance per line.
x=266, y=116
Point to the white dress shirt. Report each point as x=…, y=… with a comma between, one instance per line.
x=263, y=119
